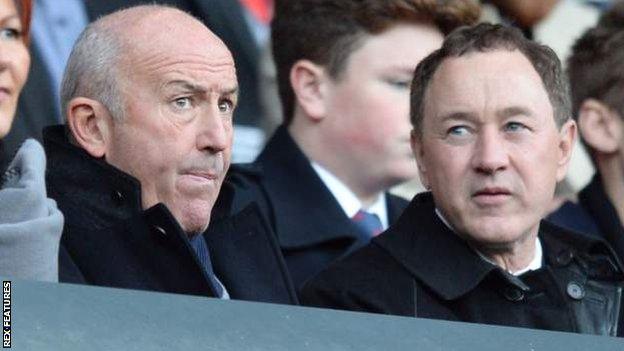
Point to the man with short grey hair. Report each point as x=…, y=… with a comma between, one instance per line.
x=492, y=135
x=148, y=95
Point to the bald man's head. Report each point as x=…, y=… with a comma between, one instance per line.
x=108, y=48
x=151, y=91
x=151, y=27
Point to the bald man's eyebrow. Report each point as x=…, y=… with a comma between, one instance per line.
x=231, y=91
x=198, y=89
x=186, y=86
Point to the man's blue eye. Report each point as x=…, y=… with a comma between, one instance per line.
x=182, y=103
x=458, y=130
x=514, y=126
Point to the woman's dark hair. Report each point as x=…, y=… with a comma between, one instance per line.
x=24, y=8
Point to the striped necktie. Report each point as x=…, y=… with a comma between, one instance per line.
x=203, y=254
x=368, y=223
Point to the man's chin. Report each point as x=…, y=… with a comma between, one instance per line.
x=192, y=229
x=194, y=220
x=494, y=234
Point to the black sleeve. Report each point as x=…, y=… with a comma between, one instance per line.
x=68, y=270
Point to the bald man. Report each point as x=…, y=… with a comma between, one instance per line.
x=148, y=95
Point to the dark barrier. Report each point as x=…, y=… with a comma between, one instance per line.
x=46, y=316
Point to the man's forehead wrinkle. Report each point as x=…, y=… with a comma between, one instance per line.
x=456, y=116
x=512, y=111
x=198, y=87
x=193, y=61
x=165, y=29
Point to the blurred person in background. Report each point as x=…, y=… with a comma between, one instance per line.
x=524, y=14
x=596, y=73
x=30, y=223
x=343, y=70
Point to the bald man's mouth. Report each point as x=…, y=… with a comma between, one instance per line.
x=492, y=196
x=202, y=176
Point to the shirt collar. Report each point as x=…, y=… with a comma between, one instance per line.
x=535, y=264
x=347, y=200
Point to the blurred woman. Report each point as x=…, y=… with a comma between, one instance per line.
x=30, y=223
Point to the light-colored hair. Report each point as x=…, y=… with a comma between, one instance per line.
x=91, y=70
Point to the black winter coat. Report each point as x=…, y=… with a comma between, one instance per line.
x=421, y=268
x=311, y=227
x=108, y=240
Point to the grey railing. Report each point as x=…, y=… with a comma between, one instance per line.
x=47, y=316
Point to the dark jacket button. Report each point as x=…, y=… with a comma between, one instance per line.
x=118, y=197
x=160, y=230
x=513, y=294
x=575, y=291
x=564, y=257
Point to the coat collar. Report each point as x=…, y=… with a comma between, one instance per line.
x=299, y=197
x=430, y=251
x=76, y=177
x=420, y=242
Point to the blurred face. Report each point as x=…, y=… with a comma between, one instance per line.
x=368, y=105
x=176, y=136
x=14, y=63
x=490, y=150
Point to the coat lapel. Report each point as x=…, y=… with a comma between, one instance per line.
x=306, y=213
x=419, y=240
x=239, y=244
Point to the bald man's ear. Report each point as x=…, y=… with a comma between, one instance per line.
x=600, y=126
x=417, y=150
x=307, y=80
x=90, y=124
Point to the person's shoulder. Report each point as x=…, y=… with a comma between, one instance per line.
x=574, y=217
x=363, y=281
x=244, y=185
x=367, y=262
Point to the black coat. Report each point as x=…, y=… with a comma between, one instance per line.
x=421, y=268
x=594, y=215
x=311, y=227
x=109, y=240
